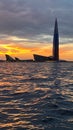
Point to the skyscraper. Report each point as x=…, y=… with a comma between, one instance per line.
x=56, y=42
x=55, y=56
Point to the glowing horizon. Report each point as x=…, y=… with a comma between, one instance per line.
x=26, y=52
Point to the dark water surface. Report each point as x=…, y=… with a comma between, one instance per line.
x=36, y=96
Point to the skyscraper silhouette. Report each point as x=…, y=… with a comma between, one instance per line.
x=55, y=56
x=56, y=42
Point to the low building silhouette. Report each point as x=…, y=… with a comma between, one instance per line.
x=40, y=58
x=9, y=58
x=17, y=59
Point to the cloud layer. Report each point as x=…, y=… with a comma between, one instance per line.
x=33, y=19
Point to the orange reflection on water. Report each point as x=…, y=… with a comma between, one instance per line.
x=20, y=123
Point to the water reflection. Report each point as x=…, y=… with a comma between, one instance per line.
x=36, y=96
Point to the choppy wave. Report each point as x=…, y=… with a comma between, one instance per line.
x=36, y=96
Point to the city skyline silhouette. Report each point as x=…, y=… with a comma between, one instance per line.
x=42, y=58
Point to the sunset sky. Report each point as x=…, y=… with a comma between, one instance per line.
x=27, y=26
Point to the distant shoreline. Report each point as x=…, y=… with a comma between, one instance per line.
x=26, y=61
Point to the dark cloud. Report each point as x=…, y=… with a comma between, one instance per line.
x=34, y=18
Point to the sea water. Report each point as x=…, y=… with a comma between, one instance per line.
x=36, y=96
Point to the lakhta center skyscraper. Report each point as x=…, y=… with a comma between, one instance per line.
x=56, y=42
x=55, y=56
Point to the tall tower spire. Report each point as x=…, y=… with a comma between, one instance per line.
x=56, y=42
